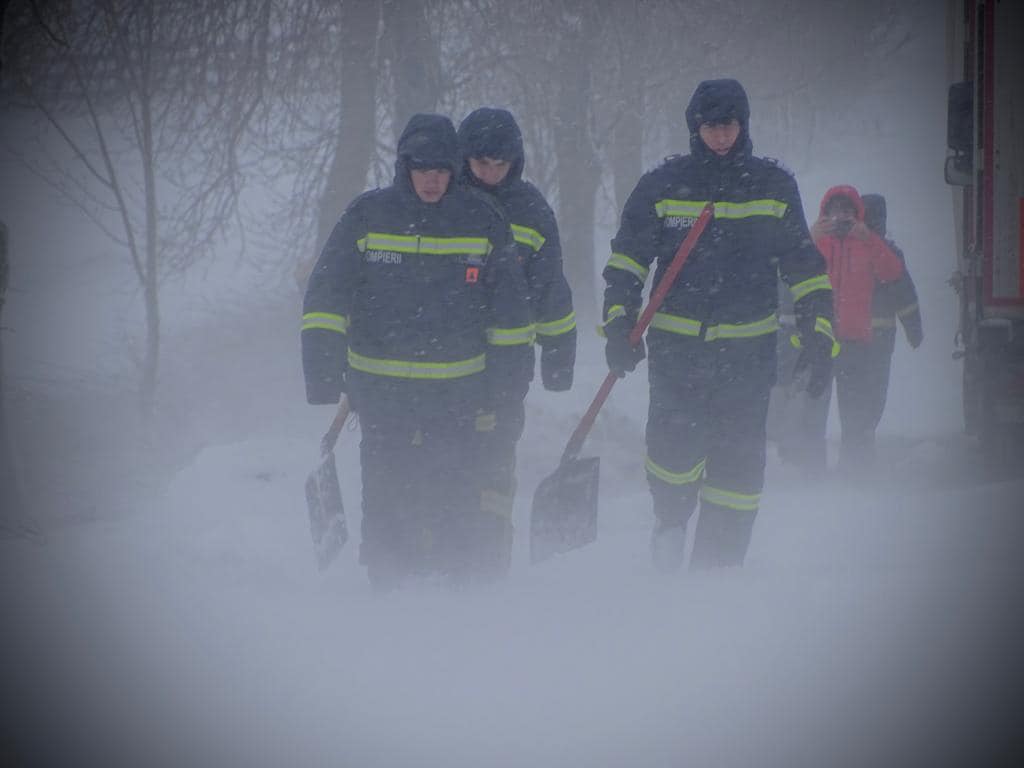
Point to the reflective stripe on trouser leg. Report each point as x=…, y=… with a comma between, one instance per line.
x=493, y=531
x=675, y=443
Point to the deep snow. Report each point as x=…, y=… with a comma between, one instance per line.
x=870, y=623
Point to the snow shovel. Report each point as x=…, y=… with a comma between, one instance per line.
x=564, y=514
x=323, y=496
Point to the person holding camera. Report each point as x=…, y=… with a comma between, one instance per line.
x=860, y=265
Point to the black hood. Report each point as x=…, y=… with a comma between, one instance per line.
x=428, y=141
x=494, y=133
x=715, y=101
x=874, y=213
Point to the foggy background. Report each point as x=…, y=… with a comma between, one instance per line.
x=169, y=169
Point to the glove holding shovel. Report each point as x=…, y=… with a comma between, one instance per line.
x=814, y=364
x=620, y=353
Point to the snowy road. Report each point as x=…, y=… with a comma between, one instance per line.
x=872, y=626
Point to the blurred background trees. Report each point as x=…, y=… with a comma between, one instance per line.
x=186, y=131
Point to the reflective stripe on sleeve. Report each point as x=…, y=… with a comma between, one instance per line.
x=743, y=502
x=907, y=310
x=883, y=322
x=823, y=325
x=508, y=337
x=407, y=369
x=557, y=327
x=326, y=321
x=527, y=236
x=615, y=310
x=623, y=262
x=674, y=478
x=804, y=287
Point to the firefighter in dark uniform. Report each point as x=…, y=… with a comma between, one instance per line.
x=492, y=148
x=712, y=343
x=417, y=310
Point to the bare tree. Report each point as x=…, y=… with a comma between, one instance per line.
x=11, y=500
x=357, y=81
x=414, y=60
x=151, y=101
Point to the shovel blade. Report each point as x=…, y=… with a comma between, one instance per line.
x=327, y=523
x=564, y=514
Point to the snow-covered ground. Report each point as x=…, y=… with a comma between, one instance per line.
x=171, y=612
x=872, y=625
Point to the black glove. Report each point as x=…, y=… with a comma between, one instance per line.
x=556, y=362
x=621, y=356
x=325, y=390
x=814, y=363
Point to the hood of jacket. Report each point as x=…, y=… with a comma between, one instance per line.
x=843, y=190
x=715, y=101
x=428, y=141
x=494, y=133
x=874, y=213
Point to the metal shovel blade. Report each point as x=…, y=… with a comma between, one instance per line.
x=564, y=514
x=326, y=515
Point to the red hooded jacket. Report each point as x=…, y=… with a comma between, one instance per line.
x=855, y=262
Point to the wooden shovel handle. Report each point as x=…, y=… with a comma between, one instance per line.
x=329, y=440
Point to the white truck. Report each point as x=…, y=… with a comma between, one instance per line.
x=985, y=166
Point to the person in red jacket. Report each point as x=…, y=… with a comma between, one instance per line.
x=859, y=262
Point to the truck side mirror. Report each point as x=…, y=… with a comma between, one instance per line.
x=960, y=134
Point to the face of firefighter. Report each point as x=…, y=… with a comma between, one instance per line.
x=719, y=137
x=489, y=170
x=430, y=185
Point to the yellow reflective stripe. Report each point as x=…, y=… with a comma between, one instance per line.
x=674, y=478
x=823, y=325
x=743, y=502
x=614, y=311
x=507, y=337
x=883, y=322
x=769, y=324
x=438, y=246
x=558, y=327
x=907, y=310
x=407, y=369
x=723, y=210
x=687, y=208
x=527, y=236
x=816, y=283
x=326, y=321
x=675, y=324
x=623, y=262
x=767, y=207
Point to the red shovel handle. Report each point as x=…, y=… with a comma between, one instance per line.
x=572, y=450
